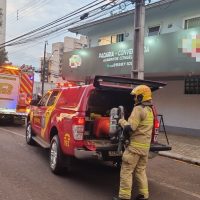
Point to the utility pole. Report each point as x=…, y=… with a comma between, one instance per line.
x=43, y=67
x=138, y=50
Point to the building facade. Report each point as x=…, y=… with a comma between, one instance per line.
x=53, y=68
x=55, y=62
x=2, y=21
x=172, y=55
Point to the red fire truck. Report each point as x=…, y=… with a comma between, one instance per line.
x=16, y=87
x=80, y=121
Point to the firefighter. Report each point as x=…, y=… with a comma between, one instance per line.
x=135, y=156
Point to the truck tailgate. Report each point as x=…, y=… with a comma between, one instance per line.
x=155, y=147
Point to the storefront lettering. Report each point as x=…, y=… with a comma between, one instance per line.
x=106, y=54
x=125, y=52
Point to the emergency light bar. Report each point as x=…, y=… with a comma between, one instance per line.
x=69, y=84
x=65, y=84
x=11, y=67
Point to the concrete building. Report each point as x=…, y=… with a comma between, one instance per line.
x=172, y=55
x=54, y=59
x=2, y=21
x=37, y=88
x=45, y=67
x=55, y=62
x=71, y=44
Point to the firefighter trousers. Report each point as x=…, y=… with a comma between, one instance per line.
x=133, y=163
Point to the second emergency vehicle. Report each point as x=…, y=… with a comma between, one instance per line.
x=16, y=87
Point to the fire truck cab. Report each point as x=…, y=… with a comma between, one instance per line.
x=75, y=121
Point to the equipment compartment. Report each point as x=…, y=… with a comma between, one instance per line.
x=99, y=106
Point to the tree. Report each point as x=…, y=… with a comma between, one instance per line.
x=3, y=56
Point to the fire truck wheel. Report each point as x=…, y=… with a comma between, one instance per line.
x=29, y=134
x=56, y=156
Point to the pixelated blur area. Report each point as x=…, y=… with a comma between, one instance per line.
x=191, y=46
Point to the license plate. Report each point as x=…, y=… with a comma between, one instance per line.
x=114, y=153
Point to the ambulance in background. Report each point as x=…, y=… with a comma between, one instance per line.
x=16, y=88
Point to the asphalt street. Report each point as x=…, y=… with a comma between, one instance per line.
x=25, y=175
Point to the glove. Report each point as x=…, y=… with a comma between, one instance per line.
x=127, y=133
x=127, y=129
x=122, y=122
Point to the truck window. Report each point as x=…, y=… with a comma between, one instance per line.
x=44, y=99
x=52, y=98
x=72, y=96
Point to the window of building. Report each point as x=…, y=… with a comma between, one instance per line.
x=111, y=39
x=192, y=85
x=192, y=22
x=120, y=37
x=154, y=30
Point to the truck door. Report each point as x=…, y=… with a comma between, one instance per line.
x=46, y=113
x=38, y=113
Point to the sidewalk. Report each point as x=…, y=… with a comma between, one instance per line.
x=184, y=148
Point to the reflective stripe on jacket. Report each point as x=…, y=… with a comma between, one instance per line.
x=141, y=122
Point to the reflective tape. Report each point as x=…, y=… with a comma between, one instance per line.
x=144, y=192
x=125, y=193
x=140, y=145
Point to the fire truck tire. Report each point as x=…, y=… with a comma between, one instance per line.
x=56, y=157
x=29, y=134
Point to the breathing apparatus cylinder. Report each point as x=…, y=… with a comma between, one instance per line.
x=115, y=115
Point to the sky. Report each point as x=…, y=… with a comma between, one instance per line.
x=26, y=15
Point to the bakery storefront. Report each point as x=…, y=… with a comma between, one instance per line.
x=173, y=58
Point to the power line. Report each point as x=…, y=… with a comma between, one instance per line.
x=102, y=14
x=33, y=10
x=38, y=43
x=43, y=34
x=30, y=7
x=54, y=22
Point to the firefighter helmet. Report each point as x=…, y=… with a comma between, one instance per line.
x=142, y=93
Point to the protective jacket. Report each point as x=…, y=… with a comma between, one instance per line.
x=141, y=122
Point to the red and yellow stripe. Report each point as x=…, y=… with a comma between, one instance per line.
x=9, y=71
x=26, y=85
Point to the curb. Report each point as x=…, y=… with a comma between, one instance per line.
x=180, y=157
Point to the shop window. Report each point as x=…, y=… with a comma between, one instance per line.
x=105, y=40
x=111, y=39
x=192, y=85
x=192, y=23
x=154, y=30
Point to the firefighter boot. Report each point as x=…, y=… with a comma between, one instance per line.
x=140, y=197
